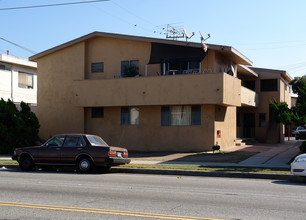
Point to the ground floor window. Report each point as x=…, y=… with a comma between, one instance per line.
x=262, y=120
x=97, y=112
x=181, y=115
x=129, y=115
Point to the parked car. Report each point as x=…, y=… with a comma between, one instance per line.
x=300, y=135
x=81, y=150
x=298, y=166
x=298, y=129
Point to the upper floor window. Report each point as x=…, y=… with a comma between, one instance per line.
x=5, y=67
x=129, y=68
x=180, y=115
x=25, y=80
x=250, y=84
x=129, y=115
x=97, y=67
x=268, y=85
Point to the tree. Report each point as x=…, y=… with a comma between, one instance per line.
x=297, y=83
x=299, y=111
x=17, y=128
x=282, y=114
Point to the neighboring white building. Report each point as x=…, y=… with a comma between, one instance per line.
x=18, y=80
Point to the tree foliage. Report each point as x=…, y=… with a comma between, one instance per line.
x=280, y=111
x=17, y=128
x=297, y=83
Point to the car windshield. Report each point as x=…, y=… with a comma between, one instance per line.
x=96, y=140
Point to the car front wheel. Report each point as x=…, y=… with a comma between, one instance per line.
x=26, y=163
x=85, y=164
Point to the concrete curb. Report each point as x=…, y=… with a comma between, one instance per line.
x=229, y=174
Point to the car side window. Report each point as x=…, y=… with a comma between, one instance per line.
x=74, y=141
x=56, y=141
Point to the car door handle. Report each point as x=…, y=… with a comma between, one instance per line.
x=79, y=148
x=58, y=148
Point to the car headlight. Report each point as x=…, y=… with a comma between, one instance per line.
x=300, y=159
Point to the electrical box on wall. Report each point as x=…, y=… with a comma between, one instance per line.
x=218, y=133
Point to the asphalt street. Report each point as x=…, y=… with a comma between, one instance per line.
x=68, y=195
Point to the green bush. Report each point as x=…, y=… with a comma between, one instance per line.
x=17, y=128
x=303, y=147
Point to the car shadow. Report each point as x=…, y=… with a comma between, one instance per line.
x=297, y=181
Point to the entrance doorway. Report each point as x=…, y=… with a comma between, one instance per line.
x=249, y=125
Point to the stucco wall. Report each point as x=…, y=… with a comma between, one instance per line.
x=112, y=51
x=55, y=110
x=149, y=134
x=225, y=121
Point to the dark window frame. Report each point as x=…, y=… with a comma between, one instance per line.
x=97, y=112
x=97, y=67
x=125, y=116
x=128, y=64
x=195, y=120
x=262, y=120
x=268, y=85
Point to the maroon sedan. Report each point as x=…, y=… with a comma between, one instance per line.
x=81, y=150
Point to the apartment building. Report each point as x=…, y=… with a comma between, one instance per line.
x=18, y=80
x=145, y=93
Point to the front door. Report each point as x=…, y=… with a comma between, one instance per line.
x=249, y=125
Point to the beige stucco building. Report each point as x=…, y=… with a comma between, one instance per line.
x=178, y=97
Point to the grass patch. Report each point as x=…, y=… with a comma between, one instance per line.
x=212, y=169
x=8, y=162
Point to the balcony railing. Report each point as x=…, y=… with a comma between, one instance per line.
x=217, y=88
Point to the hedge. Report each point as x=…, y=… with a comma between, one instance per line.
x=18, y=128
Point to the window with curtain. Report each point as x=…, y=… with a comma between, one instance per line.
x=129, y=116
x=182, y=115
x=25, y=80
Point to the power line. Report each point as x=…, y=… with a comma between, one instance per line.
x=51, y=5
x=17, y=45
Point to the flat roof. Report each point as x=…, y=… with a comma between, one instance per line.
x=283, y=73
x=237, y=57
x=17, y=61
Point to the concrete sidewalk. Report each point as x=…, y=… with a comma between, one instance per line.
x=271, y=155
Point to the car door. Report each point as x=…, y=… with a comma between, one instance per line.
x=72, y=147
x=50, y=152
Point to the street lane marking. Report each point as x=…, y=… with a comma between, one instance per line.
x=101, y=211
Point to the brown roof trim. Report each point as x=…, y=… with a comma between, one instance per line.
x=144, y=39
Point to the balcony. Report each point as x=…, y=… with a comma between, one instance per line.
x=214, y=88
x=248, y=97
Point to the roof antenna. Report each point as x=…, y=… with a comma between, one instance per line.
x=187, y=35
x=203, y=39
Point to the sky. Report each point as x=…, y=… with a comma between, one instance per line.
x=271, y=33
